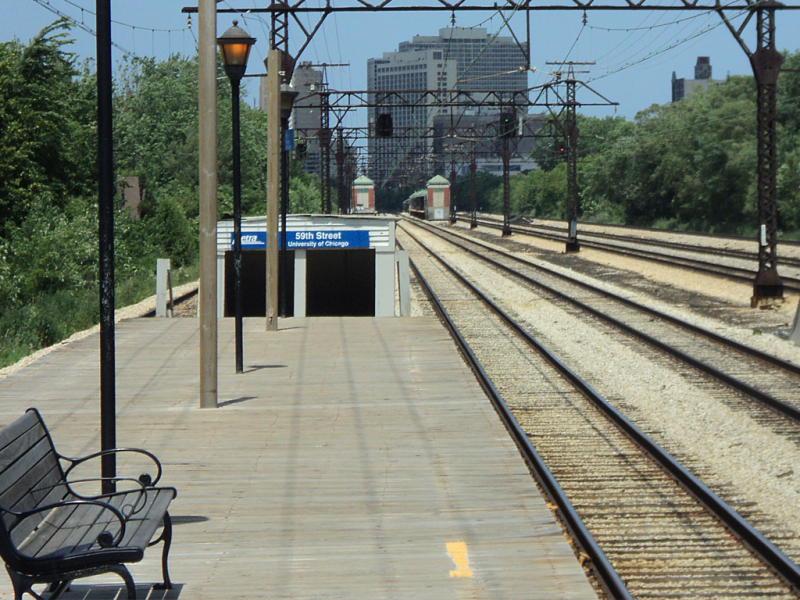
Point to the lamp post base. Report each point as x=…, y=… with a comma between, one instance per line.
x=573, y=247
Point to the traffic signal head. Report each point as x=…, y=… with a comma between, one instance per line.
x=300, y=150
x=508, y=125
x=383, y=126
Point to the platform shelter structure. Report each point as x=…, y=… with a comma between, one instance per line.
x=339, y=265
x=362, y=198
x=438, y=198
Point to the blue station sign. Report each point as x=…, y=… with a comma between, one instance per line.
x=309, y=239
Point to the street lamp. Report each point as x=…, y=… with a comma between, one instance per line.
x=234, y=45
x=288, y=94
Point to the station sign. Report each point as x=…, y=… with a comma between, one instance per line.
x=309, y=239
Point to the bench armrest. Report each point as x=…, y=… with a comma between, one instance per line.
x=146, y=479
x=106, y=542
x=141, y=498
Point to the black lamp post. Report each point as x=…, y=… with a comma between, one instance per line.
x=287, y=100
x=235, y=46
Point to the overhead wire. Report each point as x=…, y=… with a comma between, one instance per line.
x=46, y=5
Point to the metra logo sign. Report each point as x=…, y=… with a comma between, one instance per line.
x=253, y=240
x=338, y=239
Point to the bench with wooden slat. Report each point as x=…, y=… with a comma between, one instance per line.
x=50, y=534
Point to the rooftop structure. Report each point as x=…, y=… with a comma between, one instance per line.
x=683, y=88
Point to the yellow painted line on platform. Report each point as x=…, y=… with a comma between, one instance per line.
x=458, y=552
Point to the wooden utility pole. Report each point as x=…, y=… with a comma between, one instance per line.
x=207, y=57
x=274, y=148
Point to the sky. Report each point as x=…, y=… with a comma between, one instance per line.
x=635, y=52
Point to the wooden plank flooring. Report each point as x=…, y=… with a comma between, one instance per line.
x=355, y=458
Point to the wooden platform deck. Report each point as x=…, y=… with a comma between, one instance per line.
x=355, y=458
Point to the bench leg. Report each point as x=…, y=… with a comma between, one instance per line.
x=57, y=588
x=21, y=585
x=166, y=537
x=123, y=572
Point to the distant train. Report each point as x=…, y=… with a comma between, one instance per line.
x=431, y=204
x=416, y=203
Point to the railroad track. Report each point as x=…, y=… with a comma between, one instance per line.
x=759, y=376
x=177, y=301
x=664, y=532
x=627, y=246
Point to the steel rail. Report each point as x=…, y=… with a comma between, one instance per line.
x=766, y=550
x=608, y=577
x=730, y=236
x=741, y=254
x=744, y=348
x=779, y=406
x=176, y=301
x=735, y=273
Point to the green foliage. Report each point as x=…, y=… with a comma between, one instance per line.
x=304, y=193
x=486, y=186
x=685, y=165
x=46, y=130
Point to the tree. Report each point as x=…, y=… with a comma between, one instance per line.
x=47, y=141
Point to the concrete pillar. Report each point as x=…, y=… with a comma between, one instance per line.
x=299, y=283
x=384, y=283
x=162, y=293
x=403, y=282
x=220, y=286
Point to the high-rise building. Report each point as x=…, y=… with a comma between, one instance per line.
x=458, y=58
x=682, y=88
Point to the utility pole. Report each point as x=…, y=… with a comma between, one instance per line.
x=207, y=65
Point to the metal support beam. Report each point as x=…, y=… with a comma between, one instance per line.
x=571, y=141
x=279, y=32
x=453, y=194
x=207, y=59
x=385, y=6
x=324, y=137
x=506, y=156
x=237, y=227
x=766, y=62
x=473, y=222
x=283, y=269
x=340, y=170
x=274, y=147
x=105, y=202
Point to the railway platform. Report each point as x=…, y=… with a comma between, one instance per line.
x=354, y=458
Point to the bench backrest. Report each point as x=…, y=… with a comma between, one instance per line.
x=30, y=475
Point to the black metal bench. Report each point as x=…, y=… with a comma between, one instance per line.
x=51, y=534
